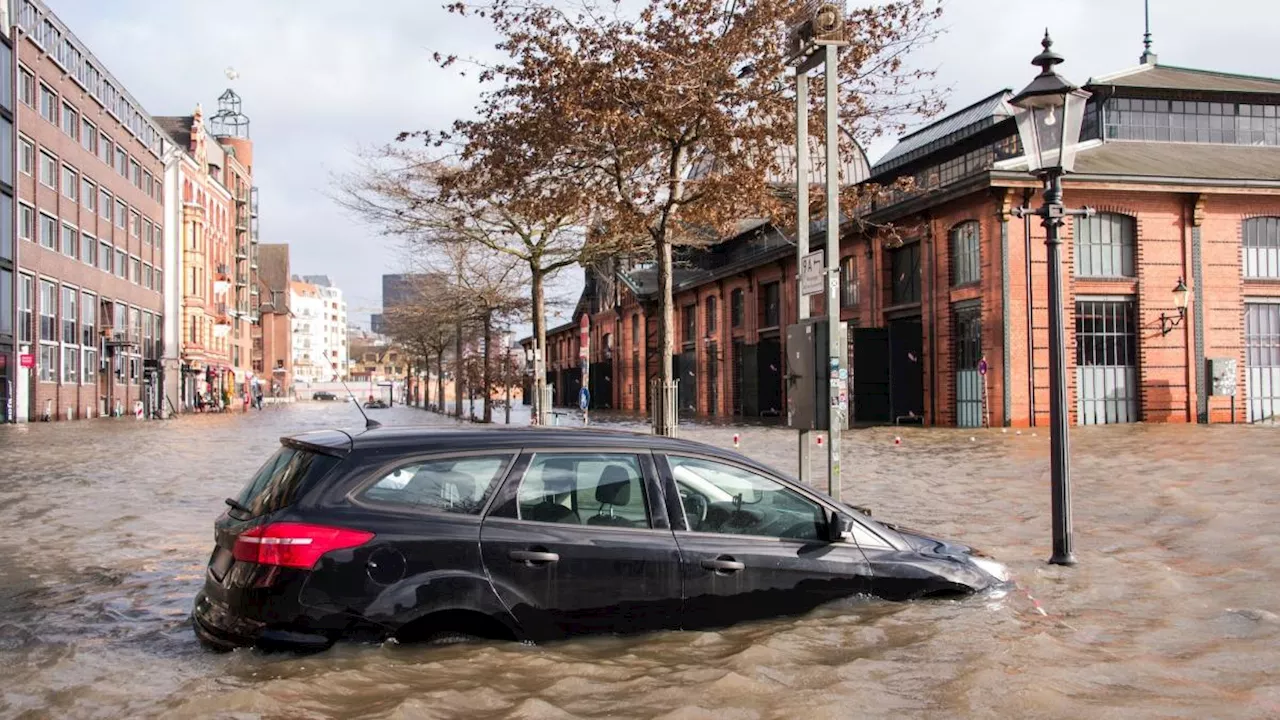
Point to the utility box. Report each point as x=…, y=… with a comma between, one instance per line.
x=1222, y=376
x=814, y=387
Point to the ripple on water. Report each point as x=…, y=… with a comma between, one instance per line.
x=1171, y=613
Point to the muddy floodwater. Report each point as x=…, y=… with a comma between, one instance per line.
x=1173, y=611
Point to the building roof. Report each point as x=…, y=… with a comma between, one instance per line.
x=1180, y=160
x=946, y=131
x=1169, y=77
x=177, y=127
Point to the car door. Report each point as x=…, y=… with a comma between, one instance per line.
x=752, y=545
x=425, y=511
x=580, y=543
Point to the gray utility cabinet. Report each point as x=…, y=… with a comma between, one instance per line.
x=809, y=374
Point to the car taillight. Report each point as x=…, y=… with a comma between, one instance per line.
x=295, y=545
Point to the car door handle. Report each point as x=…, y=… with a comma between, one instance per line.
x=534, y=557
x=723, y=565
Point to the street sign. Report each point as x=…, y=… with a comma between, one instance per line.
x=811, y=267
x=27, y=360
x=982, y=366
x=584, y=398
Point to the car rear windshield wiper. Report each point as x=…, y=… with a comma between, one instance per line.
x=235, y=505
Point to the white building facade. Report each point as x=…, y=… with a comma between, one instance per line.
x=319, y=325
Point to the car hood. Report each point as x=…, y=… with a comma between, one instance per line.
x=924, y=543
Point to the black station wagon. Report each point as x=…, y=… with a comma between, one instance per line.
x=535, y=534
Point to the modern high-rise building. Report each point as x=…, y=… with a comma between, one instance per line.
x=333, y=321
x=87, y=267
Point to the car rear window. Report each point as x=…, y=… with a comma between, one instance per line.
x=276, y=484
x=453, y=485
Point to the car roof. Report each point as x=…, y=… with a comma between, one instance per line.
x=435, y=437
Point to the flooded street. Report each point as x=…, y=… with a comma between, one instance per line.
x=105, y=528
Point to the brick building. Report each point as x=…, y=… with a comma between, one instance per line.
x=272, y=354
x=944, y=289
x=8, y=358
x=89, y=256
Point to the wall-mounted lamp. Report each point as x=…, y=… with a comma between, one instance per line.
x=1169, y=322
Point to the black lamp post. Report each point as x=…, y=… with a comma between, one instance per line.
x=1049, y=113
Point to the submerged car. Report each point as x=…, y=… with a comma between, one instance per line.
x=376, y=404
x=323, y=395
x=535, y=534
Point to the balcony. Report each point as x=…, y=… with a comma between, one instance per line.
x=220, y=272
x=253, y=202
x=242, y=252
x=242, y=278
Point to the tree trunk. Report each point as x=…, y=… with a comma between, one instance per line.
x=426, y=380
x=458, y=382
x=539, y=338
x=488, y=366
x=440, y=380
x=666, y=340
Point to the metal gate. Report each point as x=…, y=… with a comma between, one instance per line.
x=967, y=326
x=1106, y=361
x=1262, y=361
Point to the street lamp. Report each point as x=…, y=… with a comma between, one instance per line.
x=1169, y=322
x=1049, y=113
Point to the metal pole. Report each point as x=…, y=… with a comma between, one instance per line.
x=1059, y=448
x=802, y=230
x=836, y=351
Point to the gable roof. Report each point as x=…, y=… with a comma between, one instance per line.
x=1170, y=77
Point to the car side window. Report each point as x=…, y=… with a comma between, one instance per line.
x=453, y=485
x=722, y=498
x=601, y=489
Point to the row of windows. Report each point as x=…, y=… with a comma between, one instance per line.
x=67, y=330
x=1106, y=246
x=41, y=27
x=1189, y=121
x=80, y=188
x=68, y=240
x=67, y=117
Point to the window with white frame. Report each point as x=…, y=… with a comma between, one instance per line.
x=26, y=87
x=70, y=315
x=26, y=221
x=105, y=256
x=26, y=308
x=122, y=213
x=135, y=270
x=1105, y=246
x=70, y=241
x=104, y=204
x=105, y=148
x=26, y=156
x=70, y=183
x=48, y=104
x=48, y=232
x=89, y=250
x=965, y=263
x=122, y=263
x=88, y=136
x=48, y=311
x=89, y=194
x=70, y=120
x=1261, y=248
x=122, y=161
x=48, y=170
x=135, y=223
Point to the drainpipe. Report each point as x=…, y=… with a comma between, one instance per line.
x=933, y=327
x=1031, y=354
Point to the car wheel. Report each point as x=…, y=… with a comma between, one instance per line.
x=448, y=637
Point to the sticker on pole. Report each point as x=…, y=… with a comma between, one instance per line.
x=982, y=366
x=811, y=267
x=584, y=398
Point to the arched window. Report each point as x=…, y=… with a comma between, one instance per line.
x=711, y=307
x=1262, y=247
x=965, y=261
x=1105, y=245
x=736, y=306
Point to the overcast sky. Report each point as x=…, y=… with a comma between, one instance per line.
x=322, y=78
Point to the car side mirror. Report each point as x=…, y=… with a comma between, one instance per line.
x=839, y=527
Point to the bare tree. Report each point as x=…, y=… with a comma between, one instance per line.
x=667, y=123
